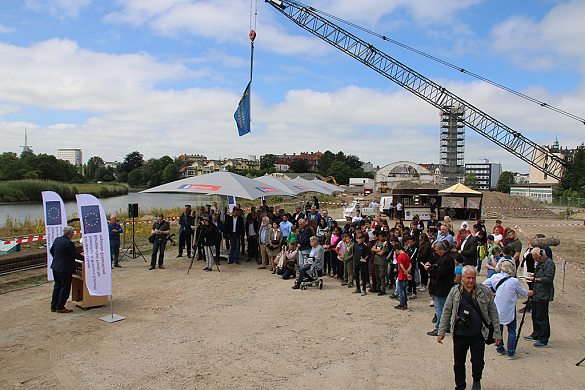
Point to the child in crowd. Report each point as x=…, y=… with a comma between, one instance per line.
x=361, y=254
x=459, y=264
x=493, y=261
x=404, y=266
x=380, y=251
x=412, y=252
x=347, y=257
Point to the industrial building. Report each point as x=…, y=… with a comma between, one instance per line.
x=452, y=154
x=487, y=174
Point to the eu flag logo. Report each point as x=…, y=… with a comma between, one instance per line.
x=53, y=216
x=242, y=114
x=91, y=219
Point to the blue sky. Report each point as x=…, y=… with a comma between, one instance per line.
x=165, y=76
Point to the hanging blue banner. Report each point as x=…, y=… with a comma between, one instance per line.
x=242, y=114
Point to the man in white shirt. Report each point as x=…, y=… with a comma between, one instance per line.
x=399, y=210
x=357, y=217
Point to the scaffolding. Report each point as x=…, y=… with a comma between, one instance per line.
x=452, y=156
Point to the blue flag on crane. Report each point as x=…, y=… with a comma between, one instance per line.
x=242, y=114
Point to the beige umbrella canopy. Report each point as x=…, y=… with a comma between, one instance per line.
x=459, y=189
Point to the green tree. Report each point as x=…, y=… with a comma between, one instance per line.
x=325, y=162
x=123, y=177
x=135, y=178
x=299, y=165
x=353, y=161
x=132, y=161
x=105, y=174
x=572, y=183
x=472, y=181
x=340, y=171
x=267, y=161
x=170, y=173
x=505, y=181
x=92, y=166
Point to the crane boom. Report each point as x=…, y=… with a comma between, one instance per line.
x=536, y=155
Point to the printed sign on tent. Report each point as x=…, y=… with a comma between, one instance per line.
x=96, y=245
x=231, y=202
x=55, y=221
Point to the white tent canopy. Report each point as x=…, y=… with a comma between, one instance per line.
x=221, y=183
x=281, y=184
x=327, y=186
x=309, y=185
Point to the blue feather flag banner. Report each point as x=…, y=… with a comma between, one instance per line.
x=55, y=221
x=242, y=114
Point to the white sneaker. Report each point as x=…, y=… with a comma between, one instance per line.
x=432, y=304
x=421, y=288
x=413, y=296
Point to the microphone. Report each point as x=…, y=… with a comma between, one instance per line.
x=545, y=241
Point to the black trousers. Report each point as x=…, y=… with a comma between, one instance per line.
x=253, y=248
x=540, y=322
x=361, y=268
x=476, y=344
x=185, y=241
x=243, y=244
x=159, y=245
x=61, y=290
x=217, y=248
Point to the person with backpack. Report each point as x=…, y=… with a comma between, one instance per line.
x=507, y=288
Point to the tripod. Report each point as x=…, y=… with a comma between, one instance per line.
x=134, y=247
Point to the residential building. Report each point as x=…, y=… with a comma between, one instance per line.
x=487, y=174
x=286, y=159
x=202, y=167
x=72, y=156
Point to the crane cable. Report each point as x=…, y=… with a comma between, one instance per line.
x=254, y=4
x=462, y=70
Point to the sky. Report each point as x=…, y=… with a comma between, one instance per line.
x=164, y=77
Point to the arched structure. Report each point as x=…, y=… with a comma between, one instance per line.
x=394, y=173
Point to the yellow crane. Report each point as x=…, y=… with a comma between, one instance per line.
x=331, y=178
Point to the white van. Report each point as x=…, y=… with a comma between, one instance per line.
x=385, y=204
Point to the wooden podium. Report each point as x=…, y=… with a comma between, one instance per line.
x=79, y=293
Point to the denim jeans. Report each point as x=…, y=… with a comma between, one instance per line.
x=159, y=245
x=114, y=250
x=511, y=338
x=401, y=286
x=439, y=305
x=303, y=271
x=234, y=248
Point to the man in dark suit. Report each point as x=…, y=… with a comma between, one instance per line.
x=63, y=266
x=297, y=216
x=185, y=232
x=220, y=228
x=468, y=247
x=235, y=227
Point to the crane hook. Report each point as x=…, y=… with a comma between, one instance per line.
x=252, y=35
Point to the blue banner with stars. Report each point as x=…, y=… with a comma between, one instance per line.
x=242, y=114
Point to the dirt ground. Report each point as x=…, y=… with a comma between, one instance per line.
x=244, y=328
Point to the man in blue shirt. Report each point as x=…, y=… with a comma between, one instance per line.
x=114, y=229
x=285, y=226
x=444, y=236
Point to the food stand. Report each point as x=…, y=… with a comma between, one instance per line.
x=416, y=198
x=461, y=202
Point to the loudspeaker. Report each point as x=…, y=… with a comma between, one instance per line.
x=132, y=210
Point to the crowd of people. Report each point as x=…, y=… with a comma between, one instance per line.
x=387, y=258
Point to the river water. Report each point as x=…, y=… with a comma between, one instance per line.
x=34, y=210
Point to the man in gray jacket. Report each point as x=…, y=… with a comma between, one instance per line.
x=469, y=309
x=544, y=292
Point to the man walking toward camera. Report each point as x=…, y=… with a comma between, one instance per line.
x=469, y=309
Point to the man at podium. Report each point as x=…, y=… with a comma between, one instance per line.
x=63, y=266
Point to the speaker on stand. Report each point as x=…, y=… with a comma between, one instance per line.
x=133, y=213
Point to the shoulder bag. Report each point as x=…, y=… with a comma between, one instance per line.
x=490, y=339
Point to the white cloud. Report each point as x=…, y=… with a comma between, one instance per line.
x=555, y=41
x=6, y=30
x=61, y=9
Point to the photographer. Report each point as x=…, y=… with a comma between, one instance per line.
x=185, y=232
x=469, y=310
x=544, y=292
x=160, y=230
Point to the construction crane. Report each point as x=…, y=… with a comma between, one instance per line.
x=528, y=151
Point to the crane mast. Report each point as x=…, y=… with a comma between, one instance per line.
x=536, y=155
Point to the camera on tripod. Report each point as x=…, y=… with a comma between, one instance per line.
x=170, y=238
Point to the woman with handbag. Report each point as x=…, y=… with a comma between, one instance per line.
x=290, y=262
x=274, y=242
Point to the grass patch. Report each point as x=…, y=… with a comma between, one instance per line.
x=30, y=190
x=33, y=281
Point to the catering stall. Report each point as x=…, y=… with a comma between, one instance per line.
x=416, y=198
x=461, y=202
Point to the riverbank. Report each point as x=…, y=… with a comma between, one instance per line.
x=30, y=190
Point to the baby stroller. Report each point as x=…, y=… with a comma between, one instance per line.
x=312, y=278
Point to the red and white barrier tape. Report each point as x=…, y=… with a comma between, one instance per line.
x=527, y=208
x=31, y=238
x=559, y=257
x=557, y=224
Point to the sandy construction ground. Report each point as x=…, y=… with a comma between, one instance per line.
x=244, y=328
